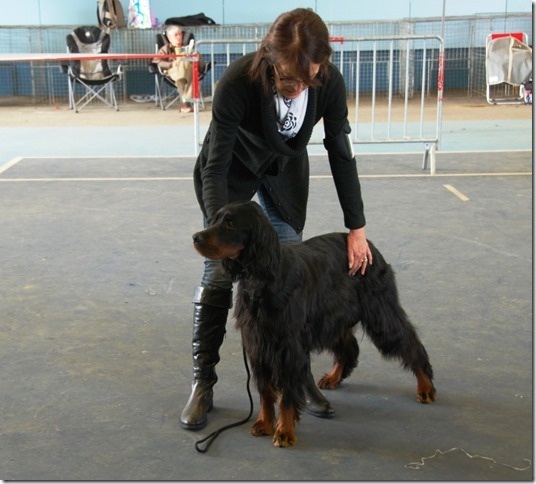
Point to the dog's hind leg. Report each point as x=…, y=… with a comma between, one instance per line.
x=264, y=425
x=425, y=388
x=388, y=326
x=332, y=379
x=392, y=333
x=285, y=431
x=346, y=353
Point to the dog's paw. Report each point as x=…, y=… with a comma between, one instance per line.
x=328, y=383
x=261, y=427
x=426, y=397
x=425, y=388
x=284, y=439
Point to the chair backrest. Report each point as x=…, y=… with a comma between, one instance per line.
x=508, y=59
x=161, y=40
x=90, y=40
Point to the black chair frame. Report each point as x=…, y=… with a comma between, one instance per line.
x=95, y=76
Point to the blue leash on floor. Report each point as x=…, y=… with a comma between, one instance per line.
x=211, y=437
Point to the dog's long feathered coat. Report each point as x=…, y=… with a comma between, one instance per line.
x=298, y=298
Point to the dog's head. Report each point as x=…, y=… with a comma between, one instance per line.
x=243, y=238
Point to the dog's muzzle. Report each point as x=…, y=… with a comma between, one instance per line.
x=212, y=248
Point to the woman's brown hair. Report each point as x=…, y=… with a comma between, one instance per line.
x=296, y=39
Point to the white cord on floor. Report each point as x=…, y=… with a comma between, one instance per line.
x=418, y=465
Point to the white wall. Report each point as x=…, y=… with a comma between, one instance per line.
x=79, y=12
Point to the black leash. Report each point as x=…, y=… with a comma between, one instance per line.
x=210, y=438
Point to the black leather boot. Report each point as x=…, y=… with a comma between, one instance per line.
x=315, y=403
x=211, y=307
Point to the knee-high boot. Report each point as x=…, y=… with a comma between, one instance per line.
x=315, y=403
x=211, y=307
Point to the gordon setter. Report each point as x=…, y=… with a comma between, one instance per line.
x=294, y=299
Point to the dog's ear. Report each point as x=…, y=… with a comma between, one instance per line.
x=261, y=254
x=233, y=267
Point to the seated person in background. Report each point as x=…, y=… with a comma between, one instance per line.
x=178, y=69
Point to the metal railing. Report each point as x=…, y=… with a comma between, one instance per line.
x=402, y=73
x=396, y=74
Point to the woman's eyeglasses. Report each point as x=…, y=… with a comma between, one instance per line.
x=291, y=82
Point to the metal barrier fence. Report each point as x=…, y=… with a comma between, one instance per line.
x=464, y=39
x=463, y=62
x=401, y=78
x=397, y=82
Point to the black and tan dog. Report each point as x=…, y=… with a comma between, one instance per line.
x=298, y=298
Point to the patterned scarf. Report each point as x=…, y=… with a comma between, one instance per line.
x=290, y=113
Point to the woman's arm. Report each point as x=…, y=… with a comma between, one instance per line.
x=344, y=171
x=228, y=110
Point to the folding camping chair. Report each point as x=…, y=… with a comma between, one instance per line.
x=166, y=93
x=508, y=67
x=94, y=76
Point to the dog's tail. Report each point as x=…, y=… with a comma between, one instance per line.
x=384, y=320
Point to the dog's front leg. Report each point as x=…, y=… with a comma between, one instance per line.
x=285, y=431
x=264, y=425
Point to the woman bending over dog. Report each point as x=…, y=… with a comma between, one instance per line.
x=263, y=114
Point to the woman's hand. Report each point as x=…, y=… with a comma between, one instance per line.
x=359, y=254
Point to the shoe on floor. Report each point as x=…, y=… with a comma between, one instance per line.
x=142, y=99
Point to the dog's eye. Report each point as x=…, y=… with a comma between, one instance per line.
x=228, y=222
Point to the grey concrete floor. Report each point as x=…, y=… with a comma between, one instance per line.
x=98, y=273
